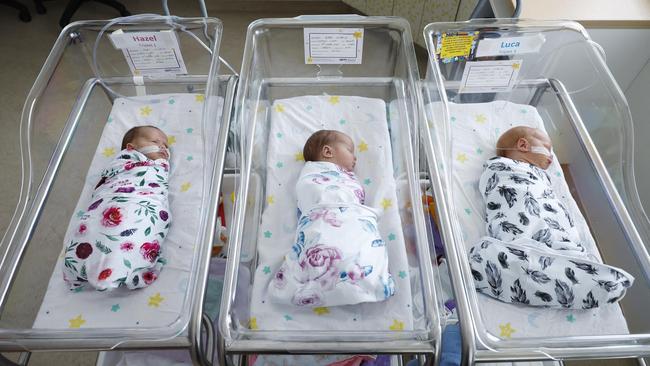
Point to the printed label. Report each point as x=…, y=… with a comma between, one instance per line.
x=509, y=46
x=333, y=45
x=489, y=76
x=150, y=53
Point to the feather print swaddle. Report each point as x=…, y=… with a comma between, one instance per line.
x=532, y=254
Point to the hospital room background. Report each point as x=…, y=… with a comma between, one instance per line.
x=623, y=37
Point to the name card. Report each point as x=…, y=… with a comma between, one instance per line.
x=150, y=53
x=333, y=45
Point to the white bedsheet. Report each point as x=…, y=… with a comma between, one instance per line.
x=475, y=130
x=179, y=116
x=292, y=121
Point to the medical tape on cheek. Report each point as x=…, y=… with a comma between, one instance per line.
x=540, y=150
x=149, y=149
x=154, y=149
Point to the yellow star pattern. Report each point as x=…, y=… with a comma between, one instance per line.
x=386, y=203
x=76, y=322
x=356, y=35
x=321, y=310
x=199, y=98
x=279, y=108
x=232, y=196
x=145, y=111
x=252, y=323
x=480, y=118
x=310, y=60
x=363, y=146
x=270, y=200
x=506, y=330
x=108, y=152
x=299, y=157
x=171, y=140
x=397, y=325
x=335, y=99
x=461, y=157
x=185, y=186
x=155, y=300
x=516, y=66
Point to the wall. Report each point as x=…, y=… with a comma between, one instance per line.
x=419, y=13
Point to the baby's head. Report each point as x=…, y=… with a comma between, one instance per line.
x=332, y=146
x=527, y=144
x=148, y=140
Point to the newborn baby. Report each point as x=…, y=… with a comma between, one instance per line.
x=117, y=240
x=533, y=254
x=339, y=257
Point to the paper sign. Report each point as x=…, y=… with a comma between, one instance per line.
x=509, y=46
x=159, y=39
x=489, y=76
x=455, y=46
x=150, y=53
x=333, y=45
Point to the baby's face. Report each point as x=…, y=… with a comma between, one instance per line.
x=343, y=153
x=539, y=150
x=151, y=137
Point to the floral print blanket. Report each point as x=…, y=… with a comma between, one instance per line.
x=280, y=162
x=117, y=241
x=339, y=256
x=163, y=304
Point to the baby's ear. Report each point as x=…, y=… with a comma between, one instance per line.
x=327, y=151
x=130, y=146
x=523, y=144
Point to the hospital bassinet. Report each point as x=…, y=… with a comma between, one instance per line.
x=563, y=86
x=74, y=114
x=284, y=94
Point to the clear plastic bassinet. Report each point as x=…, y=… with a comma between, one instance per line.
x=283, y=92
x=564, y=84
x=61, y=130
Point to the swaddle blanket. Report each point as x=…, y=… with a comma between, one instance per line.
x=532, y=255
x=117, y=241
x=339, y=257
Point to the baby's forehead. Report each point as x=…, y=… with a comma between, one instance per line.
x=541, y=135
x=151, y=131
x=342, y=137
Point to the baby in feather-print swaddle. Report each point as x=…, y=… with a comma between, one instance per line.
x=339, y=257
x=117, y=240
x=533, y=253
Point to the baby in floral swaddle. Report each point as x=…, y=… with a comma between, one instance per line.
x=533, y=253
x=339, y=257
x=117, y=240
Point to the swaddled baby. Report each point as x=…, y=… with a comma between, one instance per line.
x=534, y=254
x=339, y=257
x=117, y=240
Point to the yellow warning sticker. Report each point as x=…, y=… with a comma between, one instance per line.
x=455, y=46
